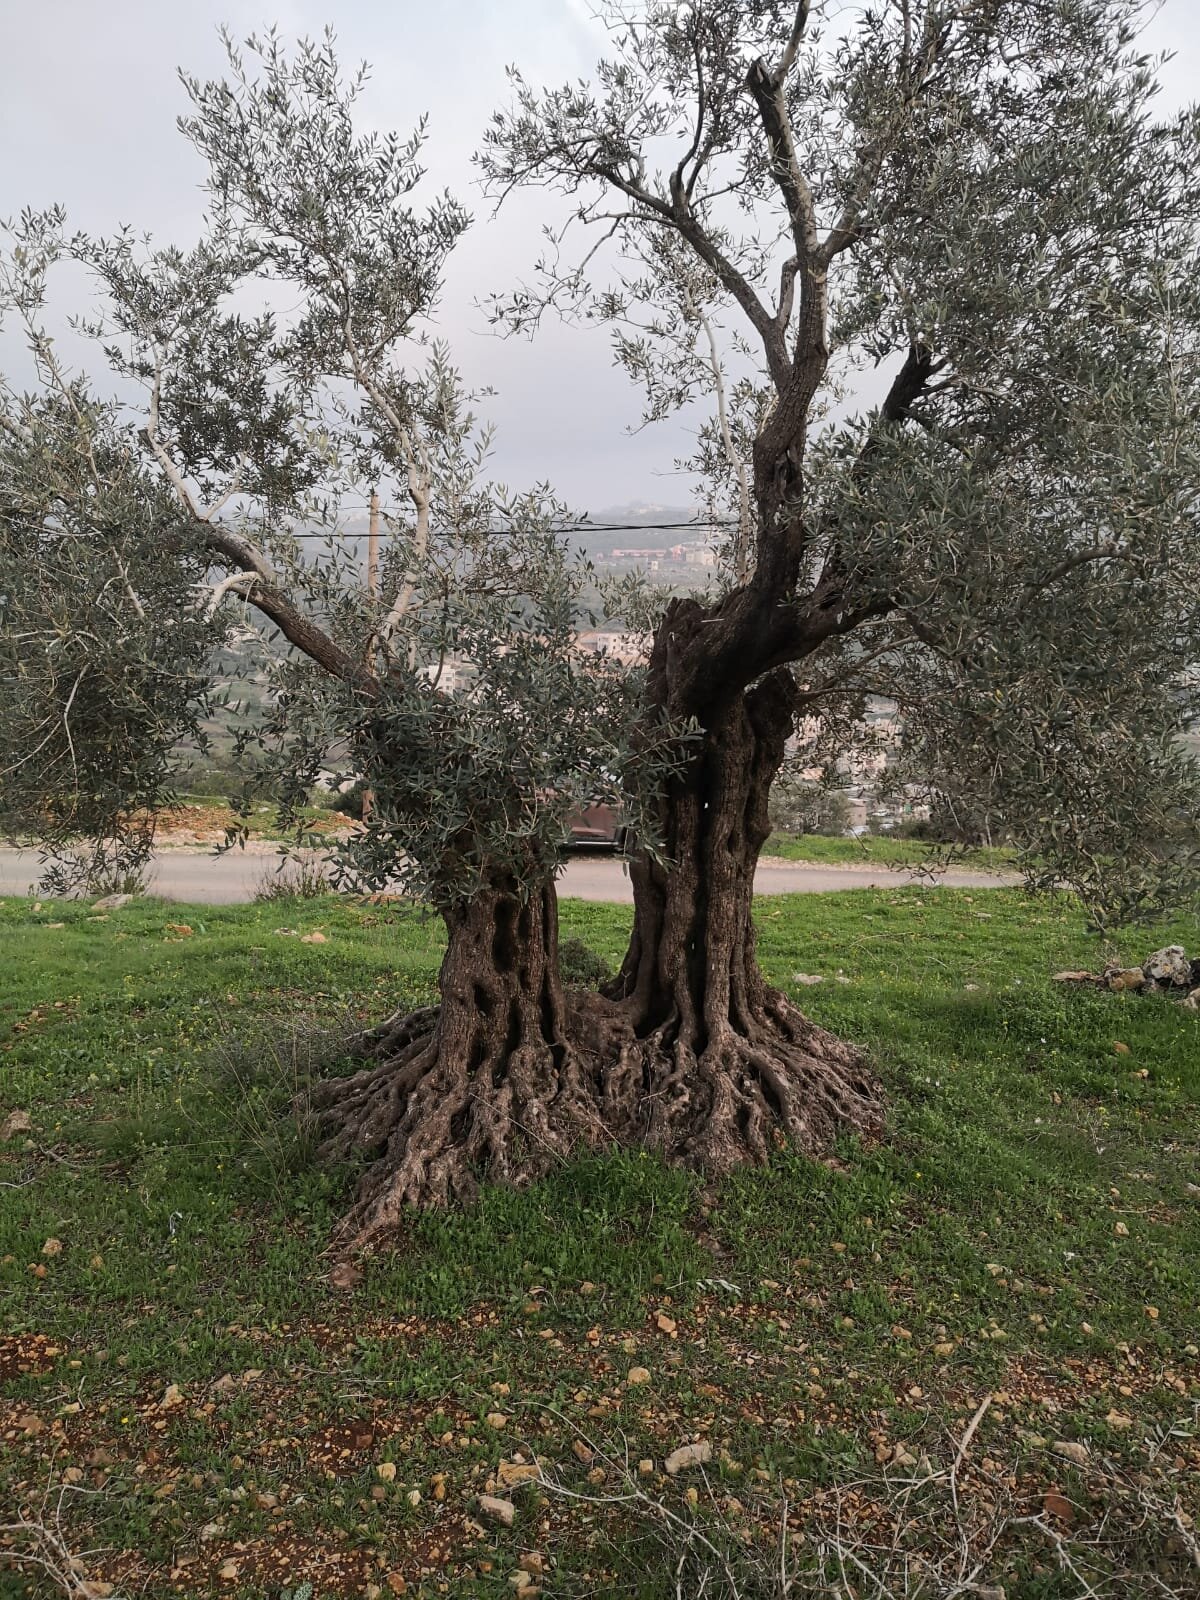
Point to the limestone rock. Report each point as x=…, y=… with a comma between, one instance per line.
x=497, y=1510
x=112, y=902
x=1119, y=978
x=688, y=1455
x=1170, y=967
x=1072, y=1450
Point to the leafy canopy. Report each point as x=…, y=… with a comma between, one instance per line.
x=266, y=382
x=936, y=261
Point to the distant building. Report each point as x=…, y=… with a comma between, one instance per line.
x=627, y=648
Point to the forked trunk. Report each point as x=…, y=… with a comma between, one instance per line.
x=691, y=1052
x=725, y=1066
x=487, y=1085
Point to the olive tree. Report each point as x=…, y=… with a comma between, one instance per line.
x=935, y=262
x=265, y=381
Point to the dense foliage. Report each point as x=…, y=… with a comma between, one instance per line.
x=982, y=202
x=226, y=481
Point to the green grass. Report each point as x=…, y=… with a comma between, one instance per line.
x=1028, y=1229
x=875, y=850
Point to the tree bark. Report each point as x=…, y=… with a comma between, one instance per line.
x=725, y=1067
x=486, y=1086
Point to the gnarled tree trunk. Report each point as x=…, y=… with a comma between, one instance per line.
x=487, y=1085
x=724, y=1067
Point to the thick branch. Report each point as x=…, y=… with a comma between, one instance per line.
x=770, y=97
x=266, y=597
x=680, y=216
x=238, y=552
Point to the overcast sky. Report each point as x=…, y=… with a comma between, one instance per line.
x=88, y=101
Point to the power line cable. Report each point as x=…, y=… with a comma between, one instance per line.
x=570, y=527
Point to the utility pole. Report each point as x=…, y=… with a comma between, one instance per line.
x=372, y=591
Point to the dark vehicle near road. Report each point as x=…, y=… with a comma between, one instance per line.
x=597, y=828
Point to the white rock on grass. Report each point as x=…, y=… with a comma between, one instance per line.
x=1169, y=965
x=688, y=1455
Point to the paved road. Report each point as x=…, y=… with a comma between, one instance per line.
x=198, y=877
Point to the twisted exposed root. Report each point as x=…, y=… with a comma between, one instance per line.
x=389, y=1037
x=746, y=1093
x=439, y=1121
x=436, y=1119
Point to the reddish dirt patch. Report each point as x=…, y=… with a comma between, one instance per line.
x=24, y=1355
x=283, y=1559
x=200, y=824
x=339, y=1449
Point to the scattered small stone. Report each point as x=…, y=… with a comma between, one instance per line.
x=16, y=1122
x=497, y=1510
x=496, y=1419
x=52, y=1247
x=385, y=1471
x=313, y=938
x=638, y=1375
x=808, y=978
x=688, y=1455
x=1072, y=1451
x=172, y=1397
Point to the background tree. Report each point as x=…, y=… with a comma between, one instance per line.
x=975, y=199
x=216, y=487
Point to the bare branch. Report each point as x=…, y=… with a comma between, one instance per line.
x=788, y=59
x=237, y=582
x=741, y=552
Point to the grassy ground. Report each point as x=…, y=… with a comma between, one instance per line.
x=873, y=850
x=185, y=1394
